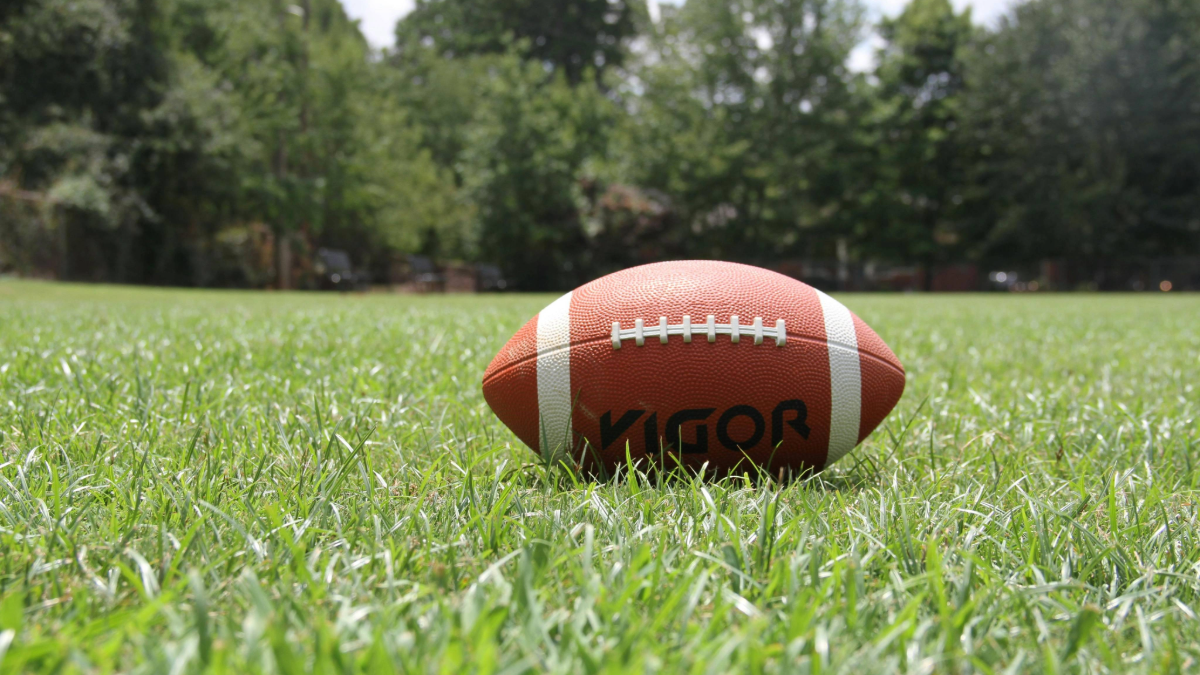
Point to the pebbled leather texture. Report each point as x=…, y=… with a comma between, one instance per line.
x=730, y=403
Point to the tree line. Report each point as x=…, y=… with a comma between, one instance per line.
x=219, y=142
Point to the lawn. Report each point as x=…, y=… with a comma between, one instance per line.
x=197, y=481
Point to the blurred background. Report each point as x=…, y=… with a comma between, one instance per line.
x=476, y=145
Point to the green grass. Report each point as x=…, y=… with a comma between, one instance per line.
x=244, y=482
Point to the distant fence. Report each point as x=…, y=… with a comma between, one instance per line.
x=420, y=274
x=1154, y=274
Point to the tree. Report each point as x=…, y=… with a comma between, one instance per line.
x=330, y=154
x=910, y=211
x=400, y=194
x=575, y=36
x=1085, y=120
x=507, y=95
x=103, y=114
x=746, y=119
x=523, y=168
x=288, y=64
x=147, y=128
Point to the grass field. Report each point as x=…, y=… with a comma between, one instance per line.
x=243, y=482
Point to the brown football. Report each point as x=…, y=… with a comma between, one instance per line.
x=694, y=362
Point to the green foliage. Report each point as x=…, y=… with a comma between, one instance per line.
x=196, y=116
x=523, y=167
x=405, y=197
x=441, y=97
x=561, y=140
x=917, y=139
x=747, y=120
x=574, y=36
x=245, y=482
x=1085, y=130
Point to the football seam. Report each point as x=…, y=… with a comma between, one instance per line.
x=536, y=354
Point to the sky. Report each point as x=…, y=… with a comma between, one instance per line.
x=378, y=17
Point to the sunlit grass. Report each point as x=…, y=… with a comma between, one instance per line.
x=246, y=482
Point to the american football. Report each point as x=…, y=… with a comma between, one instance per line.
x=691, y=363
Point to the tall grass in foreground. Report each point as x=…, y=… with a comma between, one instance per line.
x=243, y=482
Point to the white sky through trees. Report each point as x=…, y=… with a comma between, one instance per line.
x=378, y=18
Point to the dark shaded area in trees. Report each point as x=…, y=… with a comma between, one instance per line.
x=223, y=142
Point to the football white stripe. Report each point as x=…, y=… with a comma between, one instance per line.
x=845, y=378
x=554, y=378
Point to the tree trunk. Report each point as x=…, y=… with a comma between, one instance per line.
x=283, y=247
x=843, y=268
x=282, y=260
x=64, y=246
